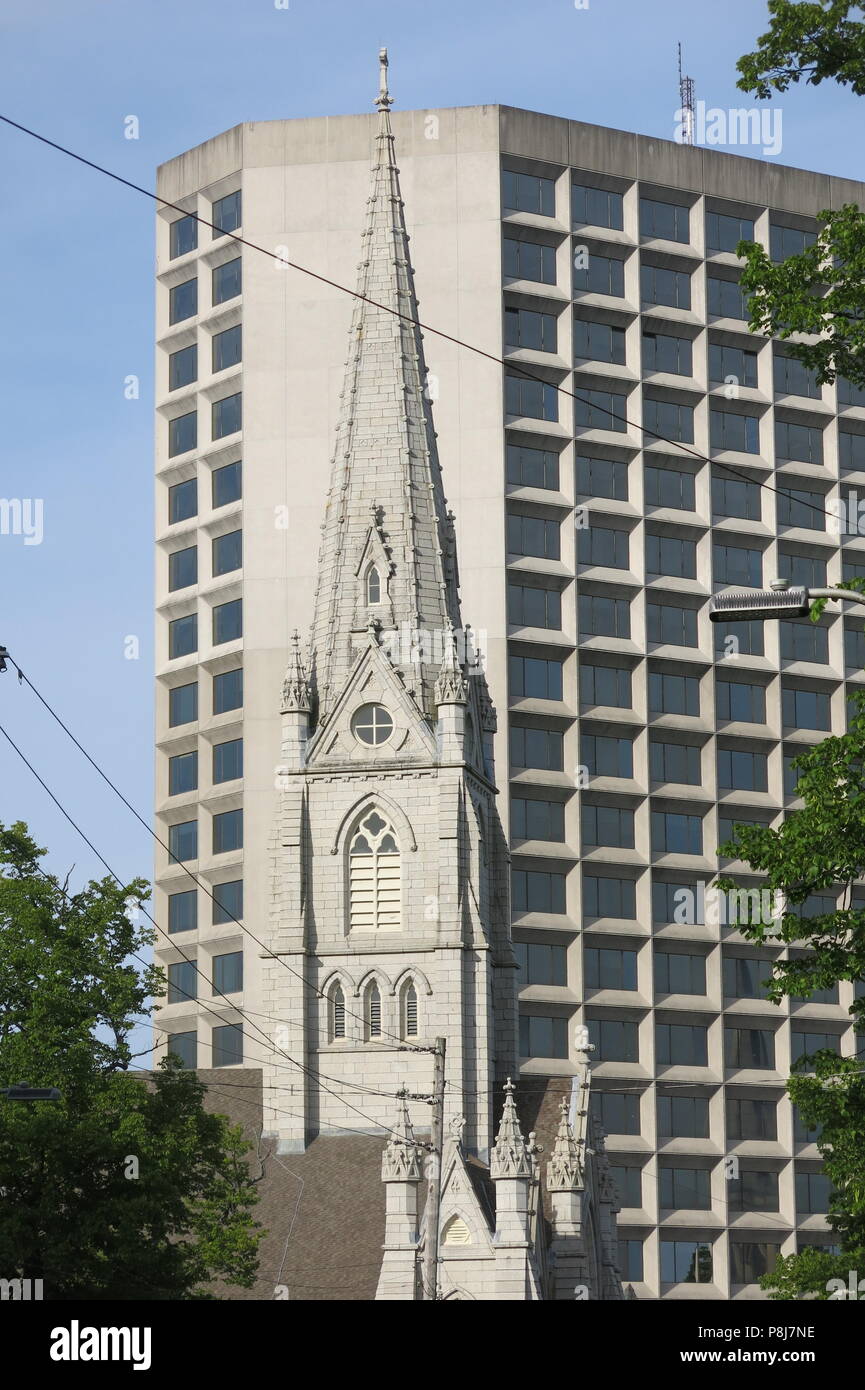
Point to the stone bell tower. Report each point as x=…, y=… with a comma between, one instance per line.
x=390, y=902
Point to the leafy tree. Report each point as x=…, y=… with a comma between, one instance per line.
x=807, y=41
x=820, y=291
x=817, y=848
x=126, y=1188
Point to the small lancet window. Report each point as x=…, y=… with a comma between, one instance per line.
x=337, y=1013
x=409, y=1011
x=373, y=585
x=373, y=1012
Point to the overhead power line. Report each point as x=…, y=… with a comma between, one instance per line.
x=407, y=318
x=406, y=1046
x=299, y=1065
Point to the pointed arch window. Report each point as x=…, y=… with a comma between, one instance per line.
x=373, y=1011
x=374, y=876
x=409, y=1010
x=336, y=1008
x=373, y=585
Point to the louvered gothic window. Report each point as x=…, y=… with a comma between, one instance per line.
x=373, y=585
x=373, y=1012
x=374, y=876
x=409, y=1010
x=337, y=1012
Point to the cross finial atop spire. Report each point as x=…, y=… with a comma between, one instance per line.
x=384, y=100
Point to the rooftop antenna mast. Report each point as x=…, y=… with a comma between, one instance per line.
x=686, y=103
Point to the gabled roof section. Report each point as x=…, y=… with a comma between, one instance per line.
x=385, y=453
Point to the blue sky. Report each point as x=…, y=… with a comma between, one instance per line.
x=77, y=287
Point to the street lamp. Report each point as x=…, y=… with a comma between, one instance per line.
x=24, y=1092
x=781, y=601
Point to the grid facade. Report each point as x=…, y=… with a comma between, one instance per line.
x=640, y=733
x=592, y=528
x=199, y=624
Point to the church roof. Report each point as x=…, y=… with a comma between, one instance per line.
x=386, y=505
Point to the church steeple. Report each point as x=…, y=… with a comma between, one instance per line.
x=386, y=545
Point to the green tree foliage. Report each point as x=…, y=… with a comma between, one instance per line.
x=124, y=1189
x=809, y=42
x=820, y=848
x=822, y=290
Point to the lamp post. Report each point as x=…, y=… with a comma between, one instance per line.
x=24, y=1092
x=781, y=601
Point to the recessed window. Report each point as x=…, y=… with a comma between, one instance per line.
x=226, y=484
x=526, y=328
x=752, y=1048
x=183, y=704
x=183, y=841
x=596, y=477
x=183, y=301
x=183, y=911
x=182, y=982
x=528, y=193
x=614, y=1040
x=228, y=1045
x=683, y=1117
x=534, y=399
x=226, y=214
x=228, y=973
x=684, y=1189
x=373, y=585
x=659, y=285
x=336, y=1011
x=182, y=501
x=528, y=260
x=541, y=964
x=726, y=299
x=686, y=1262
x=183, y=568
x=182, y=636
x=543, y=1036
x=227, y=901
x=184, y=1046
x=373, y=1012
x=182, y=367
x=182, y=433
x=226, y=348
x=227, y=622
x=226, y=281
x=228, y=691
x=227, y=552
x=666, y=221
x=533, y=467
x=227, y=832
x=596, y=207
x=183, y=236
x=228, y=760
x=602, y=275
x=182, y=773
x=601, y=410
x=535, y=891
x=227, y=416
x=534, y=678
x=723, y=232
x=372, y=724
x=619, y=1114
x=374, y=875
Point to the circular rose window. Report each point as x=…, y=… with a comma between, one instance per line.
x=372, y=724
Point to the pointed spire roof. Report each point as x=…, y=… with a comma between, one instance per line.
x=564, y=1172
x=511, y=1157
x=451, y=687
x=385, y=457
x=400, y=1161
x=295, y=687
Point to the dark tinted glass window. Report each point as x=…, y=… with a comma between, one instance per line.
x=183, y=236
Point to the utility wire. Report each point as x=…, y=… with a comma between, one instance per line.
x=408, y=318
x=300, y=1066
x=408, y=1047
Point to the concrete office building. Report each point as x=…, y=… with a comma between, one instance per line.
x=631, y=734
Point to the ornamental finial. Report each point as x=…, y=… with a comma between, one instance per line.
x=384, y=99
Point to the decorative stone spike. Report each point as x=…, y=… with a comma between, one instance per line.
x=401, y=1160
x=564, y=1172
x=510, y=1158
x=451, y=687
x=295, y=687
